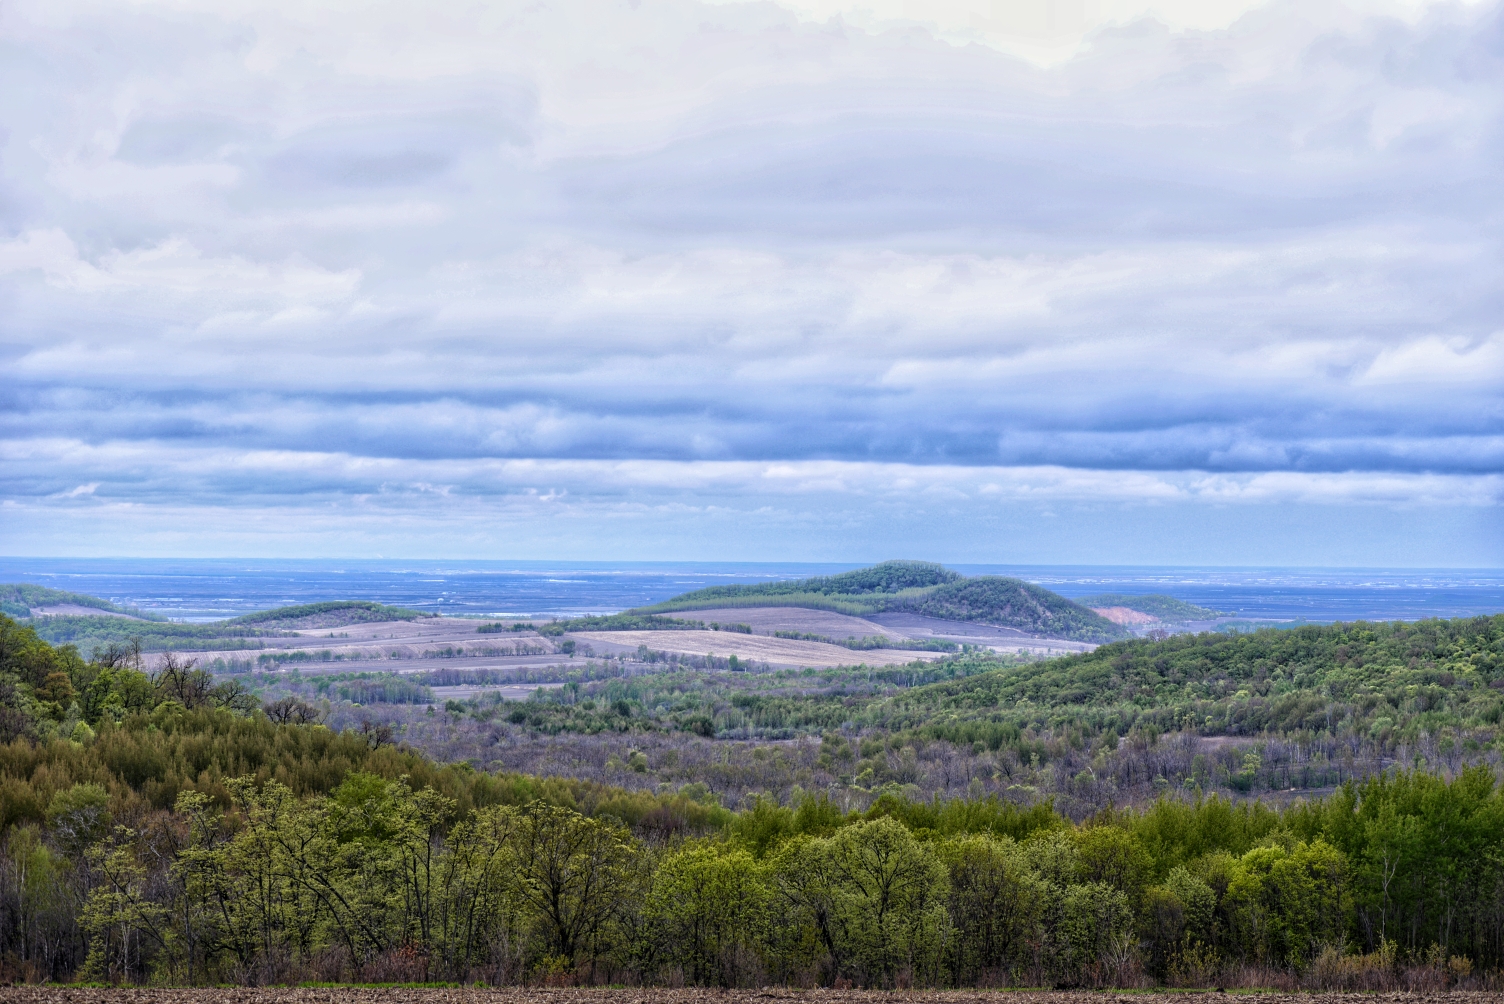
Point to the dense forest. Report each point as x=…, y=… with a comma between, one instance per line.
x=1306, y=708
x=167, y=826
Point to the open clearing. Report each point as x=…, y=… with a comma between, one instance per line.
x=429, y=643
x=756, y=647
x=663, y=995
x=766, y=620
x=453, y=643
x=1000, y=639
x=76, y=610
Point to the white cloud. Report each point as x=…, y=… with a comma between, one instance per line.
x=1244, y=257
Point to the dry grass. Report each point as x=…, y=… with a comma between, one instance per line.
x=74, y=610
x=754, y=647
x=766, y=620
x=1126, y=616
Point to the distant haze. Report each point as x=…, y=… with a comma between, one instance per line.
x=1081, y=281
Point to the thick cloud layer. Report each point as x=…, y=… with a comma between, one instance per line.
x=427, y=264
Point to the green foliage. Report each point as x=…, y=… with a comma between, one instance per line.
x=1014, y=603
x=775, y=705
x=864, y=588
x=708, y=914
x=1379, y=680
x=997, y=903
x=619, y=622
x=334, y=613
x=161, y=829
x=871, y=642
x=17, y=599
x=96, y=633
x=99, y=632
x=170, y=867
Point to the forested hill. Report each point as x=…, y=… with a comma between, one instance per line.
x=99, y=631
x=1388, y=682
x=137, y=810
x=920, y=587
x=865, y=590
x=18, y=599
x=336, y=613
x=1013, y=603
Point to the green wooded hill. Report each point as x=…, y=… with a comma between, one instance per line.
x=1385, y=681
x=335, y=613
x=17, y=599
x=90, y=632
x=1382, y=684
x=100, y=631
x=917, y=586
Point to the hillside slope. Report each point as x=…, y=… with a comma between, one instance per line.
x=1013, y=603
x=1390, y=682
x=336, y=613
x=21, y=599
x=921, y=587
x=99, y=631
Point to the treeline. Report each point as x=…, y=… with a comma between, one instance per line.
x=870, y=642
x=780, y=704
x=874, y=583
x=332, y=613
x=89, y=632
x=619, y=622
x=102, y=631
x=994, y=599
x=1379, y=685
x=393, y=875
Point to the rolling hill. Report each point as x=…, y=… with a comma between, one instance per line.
x=918, y=587
x=22, y=599
x=115, y=625
x=336, y=613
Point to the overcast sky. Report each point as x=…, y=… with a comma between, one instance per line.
x=1009, y=280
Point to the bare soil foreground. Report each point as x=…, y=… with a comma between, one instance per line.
x=513, y=995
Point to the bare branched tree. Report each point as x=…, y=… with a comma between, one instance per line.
x=291, y=711
x=181, y=680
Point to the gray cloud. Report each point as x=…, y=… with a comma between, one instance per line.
x=680, y=234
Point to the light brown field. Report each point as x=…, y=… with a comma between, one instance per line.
x=1126, y=616
x=75, y=610
x=766, y=620
x=400, y=646
x=758, y=648
x=898, y=626
x=433, y=642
